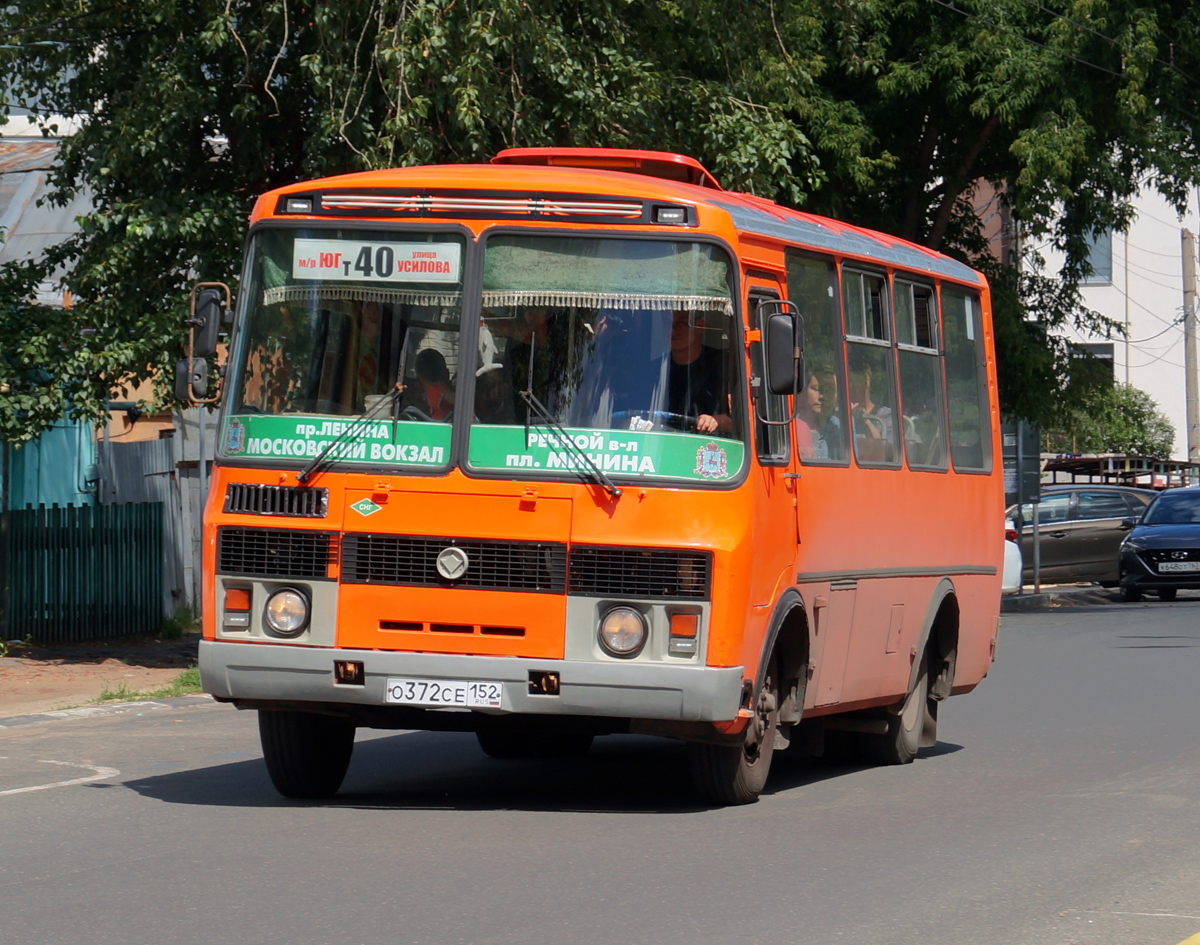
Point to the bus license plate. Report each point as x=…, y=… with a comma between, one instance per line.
x=1179, y=566
x=444, y=693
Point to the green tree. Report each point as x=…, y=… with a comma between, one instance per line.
x=1114, y=419
x=880, y=112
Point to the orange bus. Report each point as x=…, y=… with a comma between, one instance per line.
x=579, y=443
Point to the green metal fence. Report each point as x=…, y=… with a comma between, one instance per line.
x=82, y=572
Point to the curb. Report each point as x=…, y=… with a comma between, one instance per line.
x=115, y=708
x=1049, y=600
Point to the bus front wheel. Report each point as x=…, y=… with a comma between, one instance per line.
x=306, y=754
x=736, y=774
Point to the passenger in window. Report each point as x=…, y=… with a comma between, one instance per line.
x=870, y=419
x=432, y=395
x=696, y=391
x=493, y=395
x=810, y=443
x=833, y=433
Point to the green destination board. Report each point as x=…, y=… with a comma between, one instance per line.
x=409, y=443
x=683, y=456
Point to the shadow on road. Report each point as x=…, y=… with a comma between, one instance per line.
x=438, y=771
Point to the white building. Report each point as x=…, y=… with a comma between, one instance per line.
x=1138, y=283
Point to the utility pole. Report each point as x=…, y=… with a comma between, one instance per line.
x=1189, y=345
x=1125, y=284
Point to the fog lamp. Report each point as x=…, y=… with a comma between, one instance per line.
x=623, y=631
x=287, y=612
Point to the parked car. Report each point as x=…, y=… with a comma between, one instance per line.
x=1081, y=531
x=1012, y=559
x=1162, y=551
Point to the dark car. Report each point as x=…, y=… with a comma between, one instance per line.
x=1081, y=529
x=1162, y=552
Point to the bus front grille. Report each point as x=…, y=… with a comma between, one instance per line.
x=254, y=498
x=640, y=572
x=531, y=566
x=275, y=552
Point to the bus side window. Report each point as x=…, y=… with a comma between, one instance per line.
x=821, y=426
x=970, y=414
x=921, y=401
x=873, y=420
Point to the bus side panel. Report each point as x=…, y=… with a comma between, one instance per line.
x=861, y=529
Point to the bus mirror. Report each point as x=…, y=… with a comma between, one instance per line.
x=206, y=323
x=785, y=353
x=191, y=383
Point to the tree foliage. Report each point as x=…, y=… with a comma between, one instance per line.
x=882, y=112
x=1114, y=419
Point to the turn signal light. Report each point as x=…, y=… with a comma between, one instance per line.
x=684, y=630
x=237, y=608
x=237, y=598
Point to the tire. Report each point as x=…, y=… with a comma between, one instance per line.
x=1167, y=593
x=899, y=745
x=1130, y=595
x=306, y=754
x=532, y=744
x=736, y=774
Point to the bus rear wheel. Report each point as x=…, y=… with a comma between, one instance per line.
x=737, y=774
x=306, y=754
x=899, y=744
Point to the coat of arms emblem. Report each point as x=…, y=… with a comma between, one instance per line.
x=711, y=462
x=235, y=437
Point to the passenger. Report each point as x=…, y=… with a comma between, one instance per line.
x=870, y=419
x=810, y=443
x=833, y=432
x=432, y=394
x=493, y=395
x=696, y=382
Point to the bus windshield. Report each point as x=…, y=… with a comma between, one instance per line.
x=627, y=344
x=335, y=320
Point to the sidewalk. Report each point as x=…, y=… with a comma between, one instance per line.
x=1053, y=596
x=36, y=679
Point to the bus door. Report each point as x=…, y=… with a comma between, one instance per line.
x=775, y=543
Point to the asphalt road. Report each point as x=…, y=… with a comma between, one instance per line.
x=1061, y=806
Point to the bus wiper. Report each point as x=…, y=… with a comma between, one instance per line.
x=545, y=418
x=355, y=427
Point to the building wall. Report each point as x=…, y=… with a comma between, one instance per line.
x=51, y=470
x=1144, y=293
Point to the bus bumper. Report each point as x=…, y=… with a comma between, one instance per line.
x=265, y=673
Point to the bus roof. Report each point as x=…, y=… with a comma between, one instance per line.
x=547, y=173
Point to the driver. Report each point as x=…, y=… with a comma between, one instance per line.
x=433, y=393
x=696, y=382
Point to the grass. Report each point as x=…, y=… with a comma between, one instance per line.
x=185, y=684
x=184, y=620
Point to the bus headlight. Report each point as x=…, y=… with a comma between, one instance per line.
x=623, y=631
x=287, y=612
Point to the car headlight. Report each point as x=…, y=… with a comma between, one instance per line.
x=623, y=631
x=287, y=612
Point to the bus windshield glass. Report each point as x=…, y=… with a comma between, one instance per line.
x=334, y=320
x=626, y=346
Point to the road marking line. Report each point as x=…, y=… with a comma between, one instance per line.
x=101, y=774
x=1153, y=915
x=1194, y=940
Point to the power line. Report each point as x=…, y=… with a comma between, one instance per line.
x=1106, y=38
x=1033, y=42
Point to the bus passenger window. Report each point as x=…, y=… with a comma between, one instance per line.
x=871, y=418
x=821, y=428
x=970, y=417
x=869, y=356
x=921, y=400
